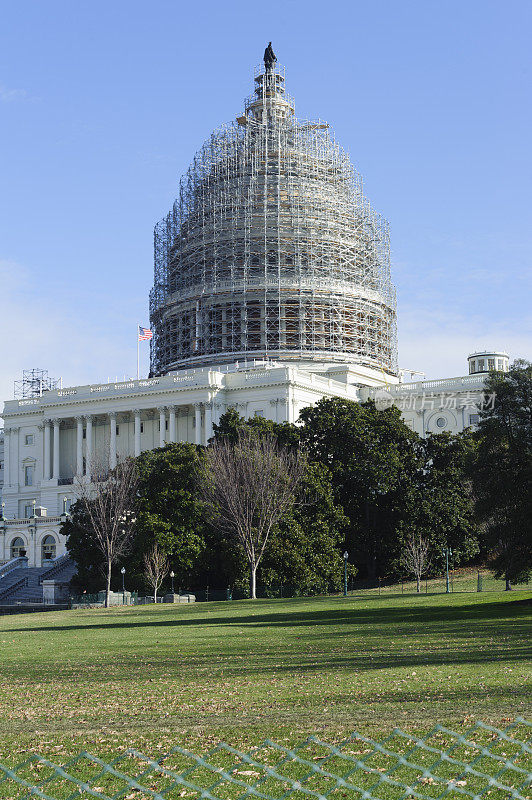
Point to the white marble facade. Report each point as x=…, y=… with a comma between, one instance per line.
x=51, y=441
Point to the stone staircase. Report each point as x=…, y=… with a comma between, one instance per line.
x=24, y=584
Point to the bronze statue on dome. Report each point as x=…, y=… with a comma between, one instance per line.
x=269, y=58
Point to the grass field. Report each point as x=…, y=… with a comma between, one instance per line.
x=154, y=676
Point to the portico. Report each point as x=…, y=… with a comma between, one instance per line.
x=69, y=436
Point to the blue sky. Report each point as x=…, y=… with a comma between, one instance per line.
x=103, y=105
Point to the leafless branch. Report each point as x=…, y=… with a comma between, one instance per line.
x=248, y=486
x=108, y=506
x=416, y=558
x=156, y=568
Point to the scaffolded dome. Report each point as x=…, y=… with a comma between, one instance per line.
x=271, y=249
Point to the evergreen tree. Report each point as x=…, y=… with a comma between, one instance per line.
x=169, y=510
x=391, y=483
x=502, y=472
x=438, y=502
x=305, y=553
x=372, y=456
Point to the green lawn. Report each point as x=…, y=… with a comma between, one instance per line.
x=242, y=671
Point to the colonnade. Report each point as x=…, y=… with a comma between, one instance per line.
x=168, y=416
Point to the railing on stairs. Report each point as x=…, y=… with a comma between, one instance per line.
x=59, y=563
x=13, y=588
x=15, y=563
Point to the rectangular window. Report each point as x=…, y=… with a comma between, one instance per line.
x=118, y=430
x=142, y=427
x=500, y=363
x=28, y=475
x=28, y=510
x=471, y=367
x=1, y=465
x=259, y=412
x=480, y=365
x=28, y=439
x=491, y=364
x=474, y=419
x=84, y=433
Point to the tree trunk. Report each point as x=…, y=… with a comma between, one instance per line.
x=108, y=587
x=508, y=587
x=253, y=582
x=155, y=595
x=418, y=584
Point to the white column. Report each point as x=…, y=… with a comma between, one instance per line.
x=137, y=432
x=112, y=441
x=46, y=467
x=172, y=424
x=275, y=404
x=207, y=434
x=79, y=448
x=14, y=456
x=182, y=424
x=197, y=417
x=88, y=448
x=7, y=457
x=55, y=471
x=162, y=426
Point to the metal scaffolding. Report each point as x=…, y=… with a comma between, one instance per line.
x=271, y=249
x=34, y=383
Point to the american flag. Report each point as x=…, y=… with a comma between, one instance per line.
x=144, y=334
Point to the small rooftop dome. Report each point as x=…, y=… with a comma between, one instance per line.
x=488, y=361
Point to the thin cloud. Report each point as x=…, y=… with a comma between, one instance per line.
x=53, y=337
x=438, y=342
x=8, y=95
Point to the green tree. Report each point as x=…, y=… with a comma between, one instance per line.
x=286, y=434
x=248, y=486
x=438, y=502
x=502, y=472
x=83, y=549
x=391, y=483
x=371, y=455
x=169, y=511
x=305, y=551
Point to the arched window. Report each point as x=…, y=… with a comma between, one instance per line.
x=18, y=547
x=48, y=547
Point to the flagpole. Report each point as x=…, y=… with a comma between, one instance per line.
x=138, y=353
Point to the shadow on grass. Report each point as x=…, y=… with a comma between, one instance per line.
x=340, y=640
x=356, y=616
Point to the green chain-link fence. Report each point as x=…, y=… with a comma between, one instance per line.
x=481, y=762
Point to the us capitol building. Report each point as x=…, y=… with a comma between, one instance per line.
x=272, y=289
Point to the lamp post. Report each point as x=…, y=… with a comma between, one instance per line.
x=123, y=571
x=172, y=576
x=447, y=552
x=346, y=556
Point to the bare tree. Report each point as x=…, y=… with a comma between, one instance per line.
x=248, y=485
x=415, y=557
x=108, y=507
x=156, y=568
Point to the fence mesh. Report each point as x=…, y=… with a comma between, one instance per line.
x=480, y=762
